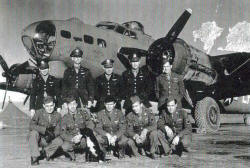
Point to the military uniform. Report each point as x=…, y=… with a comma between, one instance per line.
x=179, y=124
x=112, y=123
x=140, y=85
x=38, y=124
x=40, y=89
x=105, y=87
x=136, y=124
x=71, y=126
x=82, y=82
x=172, y=86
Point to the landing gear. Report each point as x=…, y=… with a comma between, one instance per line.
x=207, y=115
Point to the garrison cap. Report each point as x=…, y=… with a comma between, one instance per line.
x=135, y=99
x=43, y=65
x=109, y=99
x=108, y=63
x=48, y=99
x=77, y=52
x=135, y=57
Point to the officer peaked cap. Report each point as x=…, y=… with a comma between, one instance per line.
x=77, y=52
x=134, y=57
x=108, y=63
x=43, y=65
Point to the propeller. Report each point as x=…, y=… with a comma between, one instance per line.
x=155, y=50
x=5, y=93
x=12, y=73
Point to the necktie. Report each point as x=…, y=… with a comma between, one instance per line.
x=49, y=118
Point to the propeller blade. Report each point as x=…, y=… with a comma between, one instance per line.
x=164, y=43
x=178, y=26
x=5, y=93
x=26, y=99
x=4, y=64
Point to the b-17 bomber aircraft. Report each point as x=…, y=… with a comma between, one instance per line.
x=212, y=82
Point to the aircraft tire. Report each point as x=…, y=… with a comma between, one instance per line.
x=207, y=115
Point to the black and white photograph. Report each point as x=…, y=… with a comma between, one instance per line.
x=124, y=83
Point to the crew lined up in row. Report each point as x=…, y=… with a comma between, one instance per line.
x=138, y=129
x=134, y=81
x=136, y=134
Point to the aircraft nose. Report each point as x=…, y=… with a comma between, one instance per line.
x=39, y=39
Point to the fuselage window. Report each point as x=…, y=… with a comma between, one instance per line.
x=88, y=39
x=120, y=29
x=65, y=34
x=101, y=43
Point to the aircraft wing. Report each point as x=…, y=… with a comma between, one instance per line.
x=14, y=89
x=232, y=64
x=234, y=74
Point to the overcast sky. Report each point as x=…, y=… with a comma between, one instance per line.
x=157, y=16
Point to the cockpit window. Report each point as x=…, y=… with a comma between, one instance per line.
x=120, y=29
x=109, y=27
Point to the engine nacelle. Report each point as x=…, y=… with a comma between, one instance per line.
x=189, y=62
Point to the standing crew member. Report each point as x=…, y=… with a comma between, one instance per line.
x=169, y=83
x=44, y=85
x=175, y=126
x=108, y=84
x=80, y=79
x=44, y=128
x=136, y=81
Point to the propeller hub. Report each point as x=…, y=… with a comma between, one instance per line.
x=4, y=74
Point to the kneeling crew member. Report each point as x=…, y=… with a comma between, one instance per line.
x=72, y=124
x=175, y=126
x=111, y=127
x=44, y=128
x=141, y=128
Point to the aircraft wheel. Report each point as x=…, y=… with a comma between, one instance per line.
x=207, y=115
